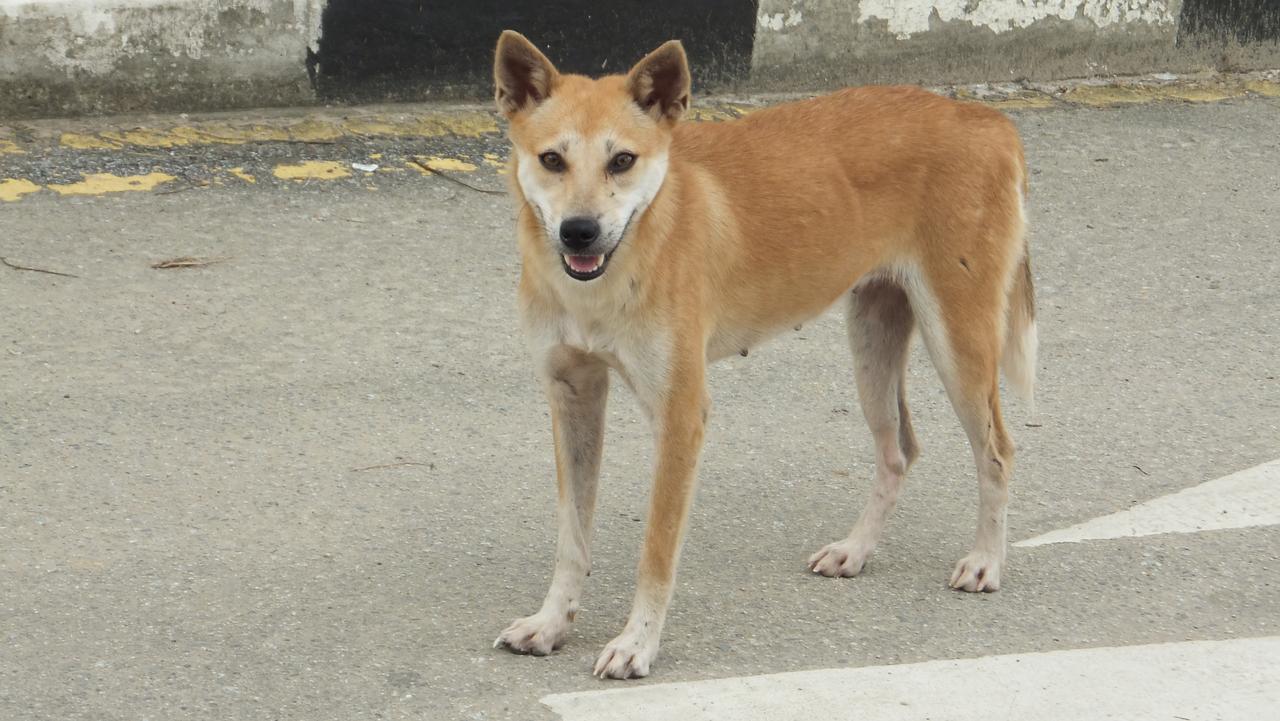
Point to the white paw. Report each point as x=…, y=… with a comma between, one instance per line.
x=628, y=655
x=539, y=634
x=978, y=571
x=843, y=558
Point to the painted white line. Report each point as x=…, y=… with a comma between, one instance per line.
x=1236, y=680
x=1240, y=500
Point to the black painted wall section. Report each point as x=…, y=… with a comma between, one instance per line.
x=1244, y=21
x=420, y=49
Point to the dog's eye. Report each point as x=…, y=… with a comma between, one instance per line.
x=552, y=161
x=621, y=162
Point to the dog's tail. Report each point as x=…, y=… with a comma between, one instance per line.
x=1021, y=338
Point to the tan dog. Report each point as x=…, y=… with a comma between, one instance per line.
x=653, y=248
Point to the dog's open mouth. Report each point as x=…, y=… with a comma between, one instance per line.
x=585, y=267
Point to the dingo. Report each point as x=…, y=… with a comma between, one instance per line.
x=654, y=247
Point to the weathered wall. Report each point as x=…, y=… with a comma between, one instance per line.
x=85, y=56
x=78, y=56
x=818, y=43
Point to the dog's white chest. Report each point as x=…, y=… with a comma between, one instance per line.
x=641, y=353
x=589, y=334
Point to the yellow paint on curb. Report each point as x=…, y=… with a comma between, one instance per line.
x=219, y=134
x=714, y=114
x=313, y=170
x=266, y=134
x=239, y=173
x=462, y=125
x=1109, y=95
x=1201, y=93
x=1105, y=95
x=445, y=164
x=224, y=134
x=12, y=189
x=146, y=137
x=1021, y=102
x=312, y=130
x=99, y=183
x=434, y=125
x=374, y=126
x=11, y=148
x=1263, y=87
x=742, y=110
x=79, y=141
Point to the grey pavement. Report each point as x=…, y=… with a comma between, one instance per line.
x=313, y=481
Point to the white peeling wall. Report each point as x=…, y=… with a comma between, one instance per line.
x=73, y=56
x=92, y=37
x=908, y=17
x=834, y=42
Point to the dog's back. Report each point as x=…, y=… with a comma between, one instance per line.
x=903, y=175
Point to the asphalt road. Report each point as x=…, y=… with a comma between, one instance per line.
x=314, y=480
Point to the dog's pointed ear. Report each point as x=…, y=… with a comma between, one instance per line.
x=660, y=82
x=523, y=76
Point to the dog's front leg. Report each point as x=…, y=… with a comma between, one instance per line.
x=577, y=386
x=679, y=414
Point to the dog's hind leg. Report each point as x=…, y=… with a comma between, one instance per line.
x=577, y=388
x=880, y=323
x=962, y=319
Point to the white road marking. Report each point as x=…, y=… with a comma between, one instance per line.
x=1240, y=500
x=1235, y=680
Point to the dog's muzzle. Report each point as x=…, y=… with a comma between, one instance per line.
x=578, y=238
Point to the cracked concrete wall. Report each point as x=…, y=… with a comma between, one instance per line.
x=83, y=56
x=817, y=44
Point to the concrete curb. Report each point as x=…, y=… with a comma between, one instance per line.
x=302, y=145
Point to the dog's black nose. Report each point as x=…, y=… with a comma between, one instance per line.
x=578, y=233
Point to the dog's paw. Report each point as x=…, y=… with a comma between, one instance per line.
x=978, y=571
x=627, y=656
x=539, y=634
x=841, y=559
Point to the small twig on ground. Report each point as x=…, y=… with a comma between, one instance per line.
x=1140, y=469
x=36, y=270
x=392, y=465
x=188, y=185
x=187, y=262
x=449, y=177
x=239, y=140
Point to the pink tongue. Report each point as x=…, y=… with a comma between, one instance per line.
x=582, y=263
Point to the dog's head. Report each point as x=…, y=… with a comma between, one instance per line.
x=589, y=155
